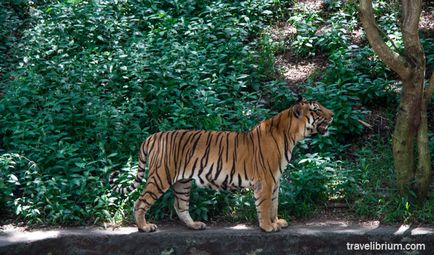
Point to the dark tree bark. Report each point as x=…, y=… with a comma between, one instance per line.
x=411, y=127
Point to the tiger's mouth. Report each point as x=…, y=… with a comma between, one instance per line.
x=323, y=127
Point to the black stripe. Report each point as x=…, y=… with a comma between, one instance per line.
x=277, y=146
x=183, y=199
x=271, y=172
x=155, y=182
x=142, y=152
x=245, y=171
x=205, y=157
x=225, y=183
x=208, y=175
x=188, y=156
x=286, y=147
x=234, y=160
x=190, y=136
x=219, y=162
x=152, y=194
x=167, y=169
x=227, y=147
x=137, y=209
x=154, y=140
x=193, y=168
x=219, y=135
x=144, y=201
x=184, y=181
x=261, y=155
x=275, y=188
x=201, y=180
x=177, y=154
x=167, y=144
x=138, y=179
x=182, y=193
x=260, y=202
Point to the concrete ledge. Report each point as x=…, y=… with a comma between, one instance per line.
x=309, y=238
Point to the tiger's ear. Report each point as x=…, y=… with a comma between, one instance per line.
x=299, y=99
x=297, y=110
x=297, y=107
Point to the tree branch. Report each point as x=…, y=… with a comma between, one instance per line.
x=396, y=62
x=411, y=10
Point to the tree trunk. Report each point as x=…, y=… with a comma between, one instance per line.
x=403, y=145
x=423, y=171
x=411, y=127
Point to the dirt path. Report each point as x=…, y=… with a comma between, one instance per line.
x=292, y=68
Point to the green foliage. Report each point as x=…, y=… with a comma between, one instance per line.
x=85, y=82
x=96, y=77
x=12, y=17
x=354, y=82
x=307, y=22
x=428, y=46
x=378, y=196
x=8, y=181
x=319, y=34
x=313, y=181
x=354, y=79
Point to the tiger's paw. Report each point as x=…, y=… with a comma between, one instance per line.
x=272, y=227
x=148, y=228
x=282, y=223
x=197, y=225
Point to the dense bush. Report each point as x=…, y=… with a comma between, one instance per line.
x=12, y=17
x=95, y=78
x=354, y=79
x=86, y=81
x=314, y=180
x=378, y=196
x=354, y=82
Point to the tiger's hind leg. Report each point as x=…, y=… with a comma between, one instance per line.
x=182, y=199
x=150, y=194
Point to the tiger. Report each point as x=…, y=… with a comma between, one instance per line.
x=224, y=160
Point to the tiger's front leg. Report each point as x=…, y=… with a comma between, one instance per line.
x=275, y=203
x=263, y=202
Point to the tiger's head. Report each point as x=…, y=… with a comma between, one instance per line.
x=317, y=117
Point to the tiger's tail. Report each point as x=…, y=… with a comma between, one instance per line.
x=139, y=176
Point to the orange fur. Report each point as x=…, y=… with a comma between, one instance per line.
x=225, y=160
